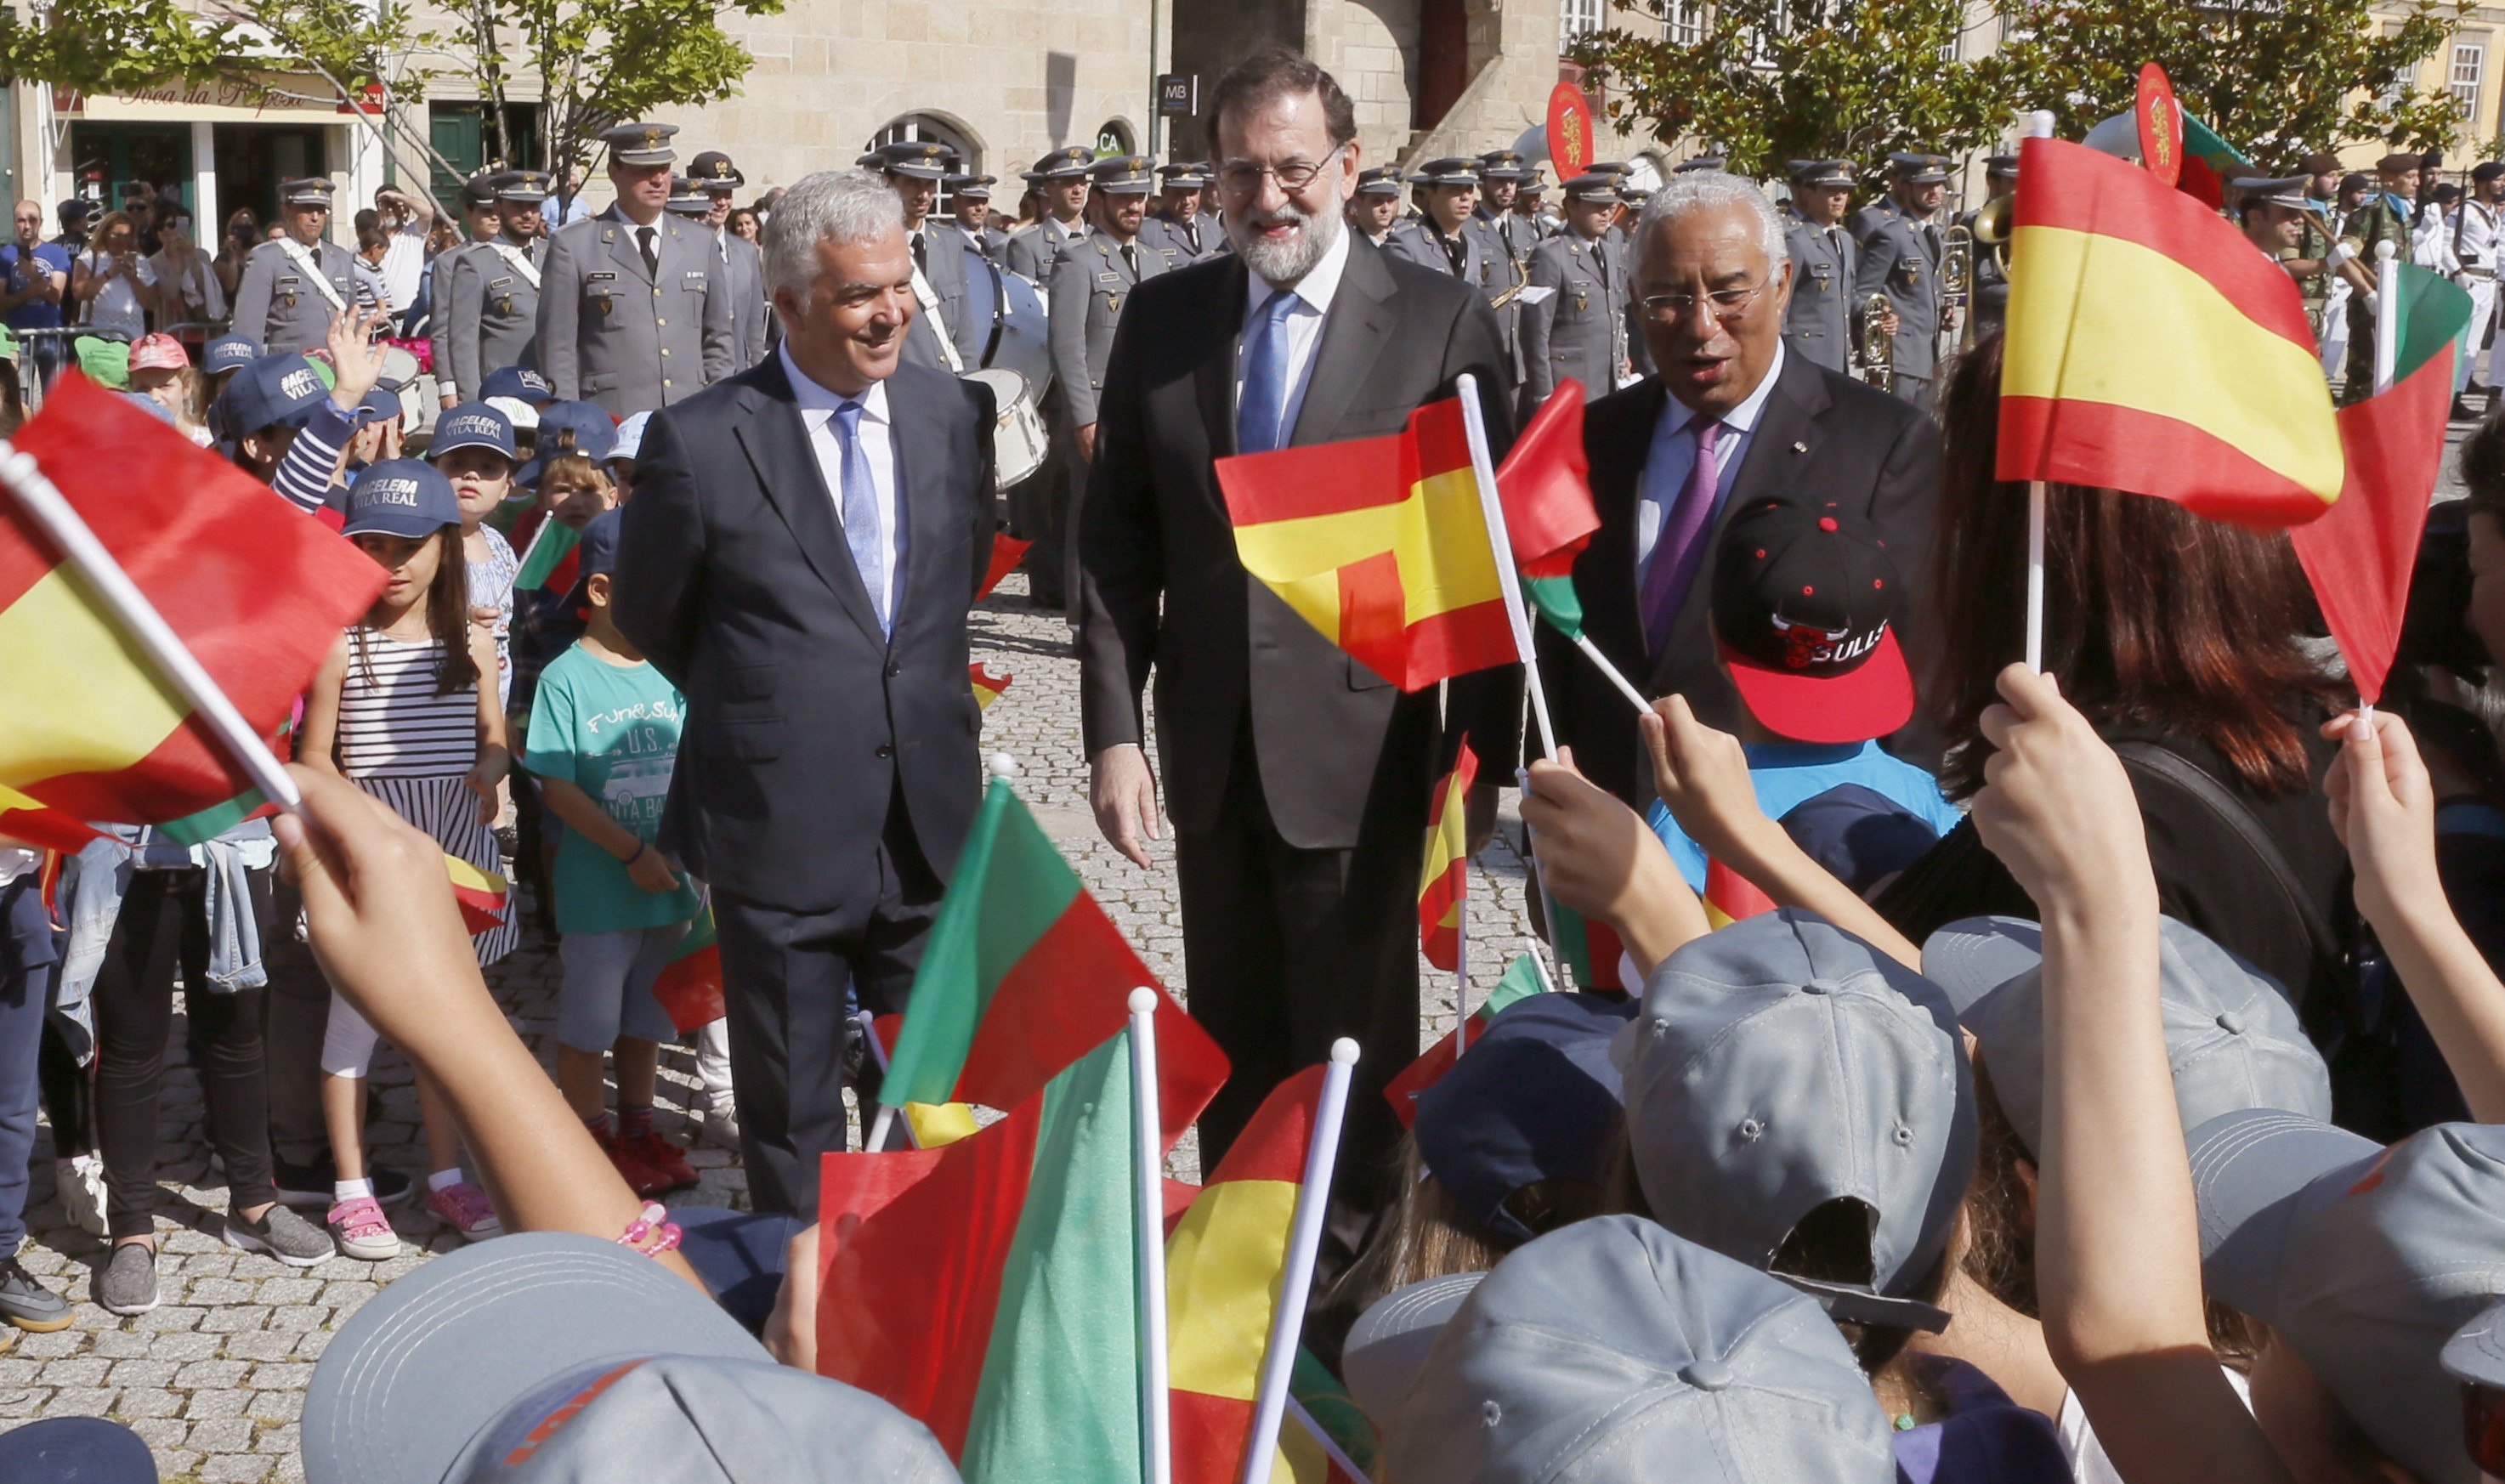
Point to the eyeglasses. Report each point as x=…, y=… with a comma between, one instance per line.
x=1729, y=305
x=1241, y=177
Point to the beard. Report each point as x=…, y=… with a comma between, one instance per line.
x=1283, y=264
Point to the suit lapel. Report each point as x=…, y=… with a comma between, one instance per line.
x=777, y=443
x=621, y=237
x=1213, y=377
x=1354, y=333
x=920, y=456
x=1606, y=572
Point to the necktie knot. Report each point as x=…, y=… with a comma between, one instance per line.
x=1277, y=307
x=847, y=418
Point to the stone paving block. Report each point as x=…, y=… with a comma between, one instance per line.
x=213, y=1291
x=26, y=1402
x=263, y=1345
x=119, y=1344
x=176, y=1463
x=234, y=1319
x=275, y=1406
x=81, y=1401
x=311, y=1346
x=160, y=1432
x=185, y=1345
x=16, y=1372
x=290, y=1289
x=224, y=1434
x=210, y=1375
x=166, y=1316
x=80, y=1370
x=236, y=1468
x=282, y=1376
x=295, y=1318
x=208, y=1406
x=142, y=1373
x=146, y=1402
x=278, y=1439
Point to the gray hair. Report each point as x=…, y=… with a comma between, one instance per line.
x=1701, y=189
x=838, y=205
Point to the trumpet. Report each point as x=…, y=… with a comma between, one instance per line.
x=1878, y=346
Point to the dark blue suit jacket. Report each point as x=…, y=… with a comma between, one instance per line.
x=803, y=720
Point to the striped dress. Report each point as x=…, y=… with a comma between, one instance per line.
x=412, y=748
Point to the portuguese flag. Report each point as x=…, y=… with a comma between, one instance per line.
x=1591, y=949
x=1546, y=485
x=2360, y=555
x=1023, y=974
x=1381, y=543
x=553, y=559
x=991, y=1289
x=690, y=987
x=1444, y=877
x=2210, y=162
x=482, y=894
x=2150, y=348
x=1522, y=979
x=257, y=593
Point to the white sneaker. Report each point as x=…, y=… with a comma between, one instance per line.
x=721, y=1124
x=80, y=1181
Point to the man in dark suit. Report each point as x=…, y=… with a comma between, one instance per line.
x=804, y=542
x=1712, y=284
x=1297, y=778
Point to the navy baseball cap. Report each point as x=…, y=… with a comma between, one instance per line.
x=596, y=555
x=75, y=1450
x=472, y=425
x=1534, y=1099
x=381, y=405
x=401, y=497
x=1862, y=836
x=278, y=391
x=518, y=382
x=226, y=353
x=595, y=432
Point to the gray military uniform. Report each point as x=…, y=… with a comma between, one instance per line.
x=990, y=241
x=280, y=304
x=1818, y=325
x=743, y=267
x=1579, y=329
x=1032, y=248
x=1197, y=240
x=491, y=310
x=614, y=331
x=1900, y=258
x=945, y=268
x=1088, y=292
x=1481, y=257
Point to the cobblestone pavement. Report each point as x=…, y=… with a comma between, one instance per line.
x=215, y=1378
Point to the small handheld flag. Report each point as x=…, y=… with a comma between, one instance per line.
x=1444, y=878
x=553, y=559
x=690, y=987
x=987, y=685
x=482, y=894
x=1006, y=552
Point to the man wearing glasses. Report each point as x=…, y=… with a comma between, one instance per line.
x=1728, y=416
x=1297, y=779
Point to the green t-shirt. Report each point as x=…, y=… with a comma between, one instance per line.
x=612, y=731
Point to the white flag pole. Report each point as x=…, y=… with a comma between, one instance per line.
x=137, y=617
x=1492, y=507
x=1461, y=966
x=2039, y=126
x=1304, y=1239
x=886, y=1114
x=2388, y=317
x=1612, y=673
x=1331, y=1449
x=1148, y=1168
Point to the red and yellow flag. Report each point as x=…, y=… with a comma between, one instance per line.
x=1006, y=552
x=482, y=894
x=255, y=590
x=1382, y=544
x=987, y=685
x=2150, y=348
x=1730, y=897
x=1445, y=877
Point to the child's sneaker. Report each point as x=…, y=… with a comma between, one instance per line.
x=280, y=1233
x=363, y=1231
x=463, y=1207
x=666, y=1161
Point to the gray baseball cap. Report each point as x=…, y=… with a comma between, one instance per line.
x=1781, y=1064
x=2232, y=1038
x=1613, y=1352
x=545, y=1357
x=2366, y=1259
x=2475, y=1356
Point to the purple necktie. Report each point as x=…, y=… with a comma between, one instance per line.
x=1679, y=549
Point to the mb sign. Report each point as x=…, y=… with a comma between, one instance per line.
x=1177, y=94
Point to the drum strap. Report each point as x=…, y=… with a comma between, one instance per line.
x=999, y=312
x=930, y=300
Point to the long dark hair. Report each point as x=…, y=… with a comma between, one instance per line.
x=2152, y=616
x=447, y=617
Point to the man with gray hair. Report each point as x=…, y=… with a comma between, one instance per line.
x=1728, y=416
x=803, y=544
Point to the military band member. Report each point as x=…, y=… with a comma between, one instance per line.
x=1442, y=239
x=2274, y=213
x=969, y=201
x=2479, y=244
x=1503, y=176
x=1819, y=326
x=944, y=335
x=1990, y=290
x=1062, y=176
x=491, y=315
x=1701, y=162
x=631, y=312
x=2383, y=218
x=1178, y=220
x=1900, y=245
x=1578, y=328
x=1375, y=209
x=293, y=285
x=1529, y=203
x=2344, y=280
x=743, y=265
x=482, y=218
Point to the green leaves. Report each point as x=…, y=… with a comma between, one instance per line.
x=116, y=46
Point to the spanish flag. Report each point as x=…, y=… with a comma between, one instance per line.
x=987, y=685
x=483, y=894
x=1006, y=552
x=2150, y=348
x=1382, y=544
x=1444, y=878
x=256, y=591
x=1730, y=897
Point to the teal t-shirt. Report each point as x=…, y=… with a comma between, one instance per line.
x=612, y=731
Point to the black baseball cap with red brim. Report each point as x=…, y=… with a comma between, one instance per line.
x=1805, y=601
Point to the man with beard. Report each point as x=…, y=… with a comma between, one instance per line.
x=1297, y=778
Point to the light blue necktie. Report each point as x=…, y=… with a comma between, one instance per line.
x=1260, y=415
x=861, y=511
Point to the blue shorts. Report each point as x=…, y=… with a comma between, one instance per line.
x=607, y=989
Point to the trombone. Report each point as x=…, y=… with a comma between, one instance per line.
x=1957, y=278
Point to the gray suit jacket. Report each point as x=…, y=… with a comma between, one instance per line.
x=1579, y=329
x=1089, y=296
x=1825, y=296
x=1900, y=258
x=1032, y=248
x=613, y=333
x=490, y=313
x=277, y=306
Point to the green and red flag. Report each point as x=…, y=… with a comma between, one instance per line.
x=2360, y=556
x=553, y=561
x=1522, y=979
x=1546, y=485
x=1591, y=949
x=690, y=987
x=1022, y=975
x=990, y=1288
x=2208, y=163
x=1444, y=876
x=91, y=730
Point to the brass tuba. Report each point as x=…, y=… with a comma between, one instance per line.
x=1877, y=347
x=1992, y=228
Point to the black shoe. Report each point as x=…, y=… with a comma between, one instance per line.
x=126, y=1283
x=26, y=1303
x=2461, y=411
x=314, y=1186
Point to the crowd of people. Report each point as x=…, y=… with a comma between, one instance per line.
x=2093, y=1086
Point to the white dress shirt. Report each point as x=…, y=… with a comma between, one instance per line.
x=878, y=450
x=1673, y=453
x=1304, y=326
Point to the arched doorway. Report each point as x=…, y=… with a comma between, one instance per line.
x=963, y=155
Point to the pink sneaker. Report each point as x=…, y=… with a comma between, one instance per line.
x=464, y=1208
x=363, y=1231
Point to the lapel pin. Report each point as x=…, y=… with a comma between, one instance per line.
x=1799, y=447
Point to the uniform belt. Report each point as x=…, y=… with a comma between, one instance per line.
x=2474, y=272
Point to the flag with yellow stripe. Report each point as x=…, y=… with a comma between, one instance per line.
x=258, y=592
x=1382, y=544
x=2151, y=348
x=1444, y=877
x=482, y=894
